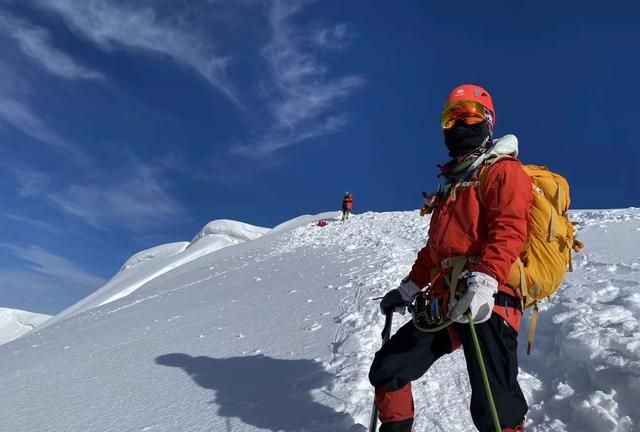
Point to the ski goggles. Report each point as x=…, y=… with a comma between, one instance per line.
x=468, y=111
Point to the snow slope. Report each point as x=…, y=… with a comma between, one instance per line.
x=277, y=333
x=149, y=264
x=14, y=323
x=586, y=360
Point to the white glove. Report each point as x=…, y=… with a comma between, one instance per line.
x=408, y=289
x=479, y=298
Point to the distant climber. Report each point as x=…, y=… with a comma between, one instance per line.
x=347, y=205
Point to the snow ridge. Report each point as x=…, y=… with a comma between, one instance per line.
x=14, y=323
x=145, y=266
x=165, y=250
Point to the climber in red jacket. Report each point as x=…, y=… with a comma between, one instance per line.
x=347, y=205
x=474, y=238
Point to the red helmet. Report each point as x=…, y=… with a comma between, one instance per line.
x=470, y=92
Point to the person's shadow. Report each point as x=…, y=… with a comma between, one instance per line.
x=264, y=392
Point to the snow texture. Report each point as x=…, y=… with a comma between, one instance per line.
x=14, y=323
x=277, y=334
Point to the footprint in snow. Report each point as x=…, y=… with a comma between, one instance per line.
x=314, y=327
x=624, y=283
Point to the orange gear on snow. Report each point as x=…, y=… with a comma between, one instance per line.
x=494, y=230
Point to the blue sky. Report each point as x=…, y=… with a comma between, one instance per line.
x=124, y=125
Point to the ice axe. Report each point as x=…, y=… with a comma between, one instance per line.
x=386, y=334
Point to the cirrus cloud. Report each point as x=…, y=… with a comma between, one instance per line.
x=36, y=43
x=112, y=24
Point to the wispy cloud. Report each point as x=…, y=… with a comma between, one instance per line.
x=29, y=182
x=304, y=103
x=36, y=43
x=36, y=292
x=17, y=113
x=21, y=116
x=24, y=220
x=109, y=23
x=175, y=161
x=41, y=261
x=332, y=37
x=49, y=284
x=135, y=197
x=139, y=201
x=302, y=97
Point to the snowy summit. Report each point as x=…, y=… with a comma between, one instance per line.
x=14, y=323
x=249, y=329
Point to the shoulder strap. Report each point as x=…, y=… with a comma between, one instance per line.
x=484, y=172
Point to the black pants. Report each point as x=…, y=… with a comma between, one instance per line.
x=410, y=353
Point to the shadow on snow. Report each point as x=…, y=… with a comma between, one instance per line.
x=264, y=392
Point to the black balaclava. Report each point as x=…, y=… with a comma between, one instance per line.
x=463, y=138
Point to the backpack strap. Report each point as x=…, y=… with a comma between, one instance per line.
x=552, y=224
x=532, y=328
x=555, y=212
x=484, y=172
x=456, y=264
x=524, y=290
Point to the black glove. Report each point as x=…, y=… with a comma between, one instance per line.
x=393, y=302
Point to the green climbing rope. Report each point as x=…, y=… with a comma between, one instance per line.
x=434, y=329
x=483, y=372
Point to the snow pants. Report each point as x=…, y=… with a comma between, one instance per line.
x=410, y=353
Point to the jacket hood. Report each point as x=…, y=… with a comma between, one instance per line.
x=505, y=146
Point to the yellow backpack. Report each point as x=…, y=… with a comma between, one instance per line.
x=547, y=251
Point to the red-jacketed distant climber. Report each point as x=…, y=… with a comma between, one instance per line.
x=347, y=205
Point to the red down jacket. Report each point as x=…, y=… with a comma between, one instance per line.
x=494, y=230
x=347, y=202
